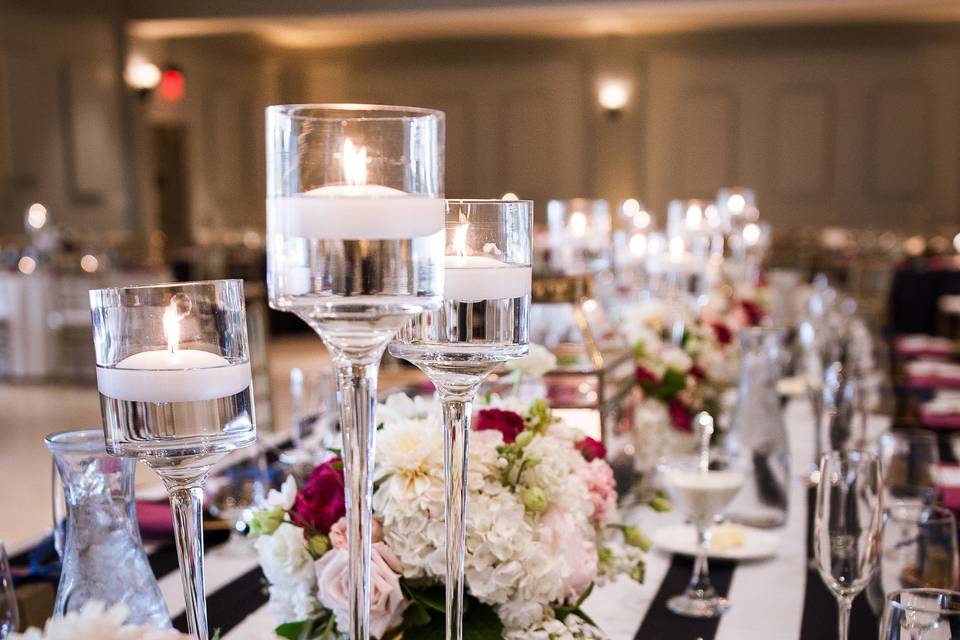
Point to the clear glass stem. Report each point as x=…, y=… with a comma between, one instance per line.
x=844, y=605
x=357, y=394
x=700, y=587
x=456, y=438
x=186, y=503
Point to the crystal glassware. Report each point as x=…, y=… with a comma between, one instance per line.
x=173, y=371
x=102, y=554
x=355, y=225
x=482, y=323
x=909, y=458
x=702, y=490
x=9, y=613
x=921, y=614
x=848, y=525
x=919, y=549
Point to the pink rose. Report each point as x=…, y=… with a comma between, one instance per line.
x=321, y=501
x=591, y=449
x=509, y=423
x=602, y=488
x=386, y=598
x=565, y=540
x=338, y=533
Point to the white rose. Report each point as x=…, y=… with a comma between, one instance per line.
x=677, y=359
x=538, y=361
x=284, y=556
x=386, y=598
x=285, y=498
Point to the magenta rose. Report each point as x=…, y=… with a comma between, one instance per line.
x=646, y=379
x=753, y=312
x=680, y=416
x=697, y=373
x=321, y=501
x=509, y=423
x=723, y=333
x=592, y=449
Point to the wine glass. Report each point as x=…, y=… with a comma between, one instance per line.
x=921, y=614
x=848, y=525
x=703, y=490
x=173, y=372
x=919, y=549
x=355, y=225
x=909, y=457
x=9, y=613
x=483, y=322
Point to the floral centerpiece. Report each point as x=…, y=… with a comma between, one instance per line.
x=677, y=378
x=542, y=529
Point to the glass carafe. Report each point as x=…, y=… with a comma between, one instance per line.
x=103, y=556
x=758, y=436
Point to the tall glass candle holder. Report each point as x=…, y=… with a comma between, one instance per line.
x=173, y=371
x=482, y=323
x=580, y=231
x=355, y=224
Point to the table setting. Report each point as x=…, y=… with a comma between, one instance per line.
x=610, y=438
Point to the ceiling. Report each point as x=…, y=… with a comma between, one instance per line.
x=378, y=21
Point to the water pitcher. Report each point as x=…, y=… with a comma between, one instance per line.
x=758, y=436
x=103, y=556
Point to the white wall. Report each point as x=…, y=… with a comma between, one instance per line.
x=60, y=143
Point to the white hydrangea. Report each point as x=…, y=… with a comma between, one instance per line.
x=538, y=361
x=95, y=621
x=572, y=628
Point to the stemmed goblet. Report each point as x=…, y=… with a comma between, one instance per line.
x=482, y=323
x=173, y=372
x=355, y=221
x=848, y=525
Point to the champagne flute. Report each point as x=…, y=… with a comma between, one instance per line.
x=355, y=225
x=176, y=391
x=848, y=525
x=921, y=614
x=483, y=322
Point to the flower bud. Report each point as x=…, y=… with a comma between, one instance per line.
x=535, y=499
x=264, y=523
x=639, y=571
x=318, y=544
x=524, y=438
x=660, y=504
x=634, y=537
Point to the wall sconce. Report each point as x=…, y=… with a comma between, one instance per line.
x=141, y=76
x=613, y=96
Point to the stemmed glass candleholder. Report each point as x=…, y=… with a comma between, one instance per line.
x=482, y=323
x=355, y=225
x=173, y=371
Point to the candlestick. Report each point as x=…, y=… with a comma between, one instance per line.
x=472, y=278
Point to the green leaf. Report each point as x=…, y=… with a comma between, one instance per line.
x=313, y=628
x=416, y=616
x=672, y=383
x=480, y=621
x=433, y=597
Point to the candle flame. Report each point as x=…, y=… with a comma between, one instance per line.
x=578, y=224
x=694, y=217
x=460, y=240
x=171, y=327
x=354, y=163
x=676, y=249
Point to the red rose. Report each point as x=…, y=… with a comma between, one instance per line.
x=680, y=417
x=509, y=423
x=321, y=502
x=646, y=379
x=697, y=372
x=723, y=333
x=592, y=449
x=753, y=312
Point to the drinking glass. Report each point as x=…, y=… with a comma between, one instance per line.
x=482, y=323
x=355, y=225
x=9, y=614
x=173, y=372
x=848, y=525
x=909, y=458
x=704, y=495
x=921, y=614
x=919, y=549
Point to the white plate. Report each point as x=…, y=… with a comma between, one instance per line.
x=682, y=539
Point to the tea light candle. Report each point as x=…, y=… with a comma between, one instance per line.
x=473, y=278
x=355, y=210
x=173, y=374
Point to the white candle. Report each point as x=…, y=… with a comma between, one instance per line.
x=473, y=278
x=186, y=375
x=173, y=374
x=355, y=210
